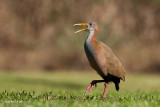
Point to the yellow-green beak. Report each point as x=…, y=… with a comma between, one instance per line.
x=80, y=24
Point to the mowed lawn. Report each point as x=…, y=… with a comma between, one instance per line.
x=66, y=89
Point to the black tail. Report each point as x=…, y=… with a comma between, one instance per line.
x=115, y=80
x=117, y=86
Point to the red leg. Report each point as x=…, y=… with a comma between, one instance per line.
x=94, y=82
x=105, y=89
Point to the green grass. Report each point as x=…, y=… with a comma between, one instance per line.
x=66, y=89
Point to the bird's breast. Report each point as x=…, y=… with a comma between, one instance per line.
x=89, y=49
x=90, y=53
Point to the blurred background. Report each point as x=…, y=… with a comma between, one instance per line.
x=39, y=34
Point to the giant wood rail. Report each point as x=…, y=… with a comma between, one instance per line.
x=101, y=59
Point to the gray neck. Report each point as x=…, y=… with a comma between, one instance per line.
x=88, y=42
x=91, y=34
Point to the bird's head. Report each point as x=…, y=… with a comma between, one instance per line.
x=91, y=26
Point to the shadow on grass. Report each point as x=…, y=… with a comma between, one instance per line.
x=49, y=83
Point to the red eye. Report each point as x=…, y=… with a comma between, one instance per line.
x=90, y=24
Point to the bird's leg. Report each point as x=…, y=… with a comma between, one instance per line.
x=94, y=82
x=105, y=89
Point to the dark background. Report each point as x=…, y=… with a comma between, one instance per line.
x=39, y=34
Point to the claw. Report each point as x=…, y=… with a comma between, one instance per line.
x=91, y=85
x=95, y=86
x=88, y=88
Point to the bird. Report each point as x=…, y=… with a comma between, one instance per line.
x=102, y=59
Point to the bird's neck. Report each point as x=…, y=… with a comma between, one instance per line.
x=90, y=41
x=92, y=36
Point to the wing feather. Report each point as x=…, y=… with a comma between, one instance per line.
x=108, y=62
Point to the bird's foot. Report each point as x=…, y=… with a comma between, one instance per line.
x=90, y=86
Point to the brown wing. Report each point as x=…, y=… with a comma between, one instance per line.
x=108, y=62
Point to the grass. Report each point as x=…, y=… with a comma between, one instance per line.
x=66, y=89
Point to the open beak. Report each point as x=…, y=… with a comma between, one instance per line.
x=80, y=24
